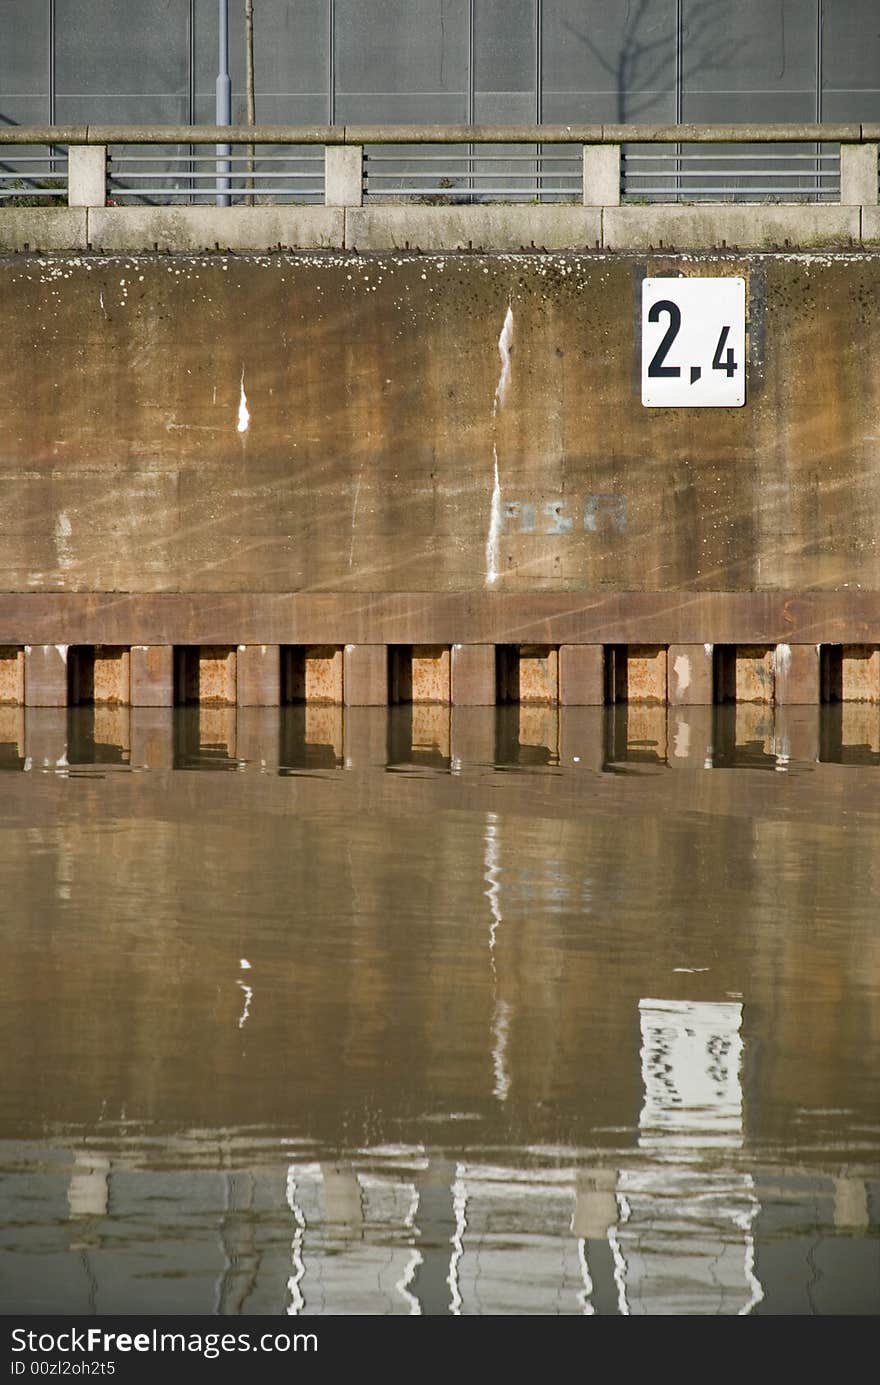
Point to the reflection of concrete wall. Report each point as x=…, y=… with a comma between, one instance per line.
x=354, y=1247
x=514, y=1249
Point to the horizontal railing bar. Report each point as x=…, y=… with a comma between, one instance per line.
x=233, y=190
x=788, y=133
x=476, y=158
x=733, y=191
x=706, y=173
x=730, y=158
x=32, y=192
x=470, y=192
x=211, y=158
x=486, y=177
x=213, y=176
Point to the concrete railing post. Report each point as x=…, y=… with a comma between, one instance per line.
x=87, y=175
x=601, y=175
x=858, y=175
x=343, y=175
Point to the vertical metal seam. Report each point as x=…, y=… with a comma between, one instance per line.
x=471, y=62
x=192, y=89
x=819, y=58
x=51, y=56
x=539, y=62
x=471, y=85
x=539, y=90
x=192, y=62
x=331, y=62
x=679, y=62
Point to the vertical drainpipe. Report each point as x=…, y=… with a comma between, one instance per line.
x=191, y=90
x=223, y=105
x=819, y=76
x=679, y=85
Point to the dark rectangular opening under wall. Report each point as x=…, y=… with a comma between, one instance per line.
x=743, y=673
x=849, y=673
x=204, y=674
x=506, y=673
x=98, y=674
x=831, y=672
x=399, y=673
x=311, y=673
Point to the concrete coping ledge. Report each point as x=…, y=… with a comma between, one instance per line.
x=485, y=229
x=741, y=133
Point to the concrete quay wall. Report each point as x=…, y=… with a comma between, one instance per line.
x=396, y=449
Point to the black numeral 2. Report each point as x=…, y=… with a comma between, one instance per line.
x=656, y=367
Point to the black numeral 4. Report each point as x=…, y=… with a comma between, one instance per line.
x=728, y=364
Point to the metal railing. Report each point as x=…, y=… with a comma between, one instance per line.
x=445, y=165
x=497, y=173
x=791, y=173
x=270, y=174
x=33, y=179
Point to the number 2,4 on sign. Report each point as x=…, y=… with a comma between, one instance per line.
x=694, y=343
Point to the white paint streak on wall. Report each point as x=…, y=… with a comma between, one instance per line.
x=244, y=418
x=354, y=510
x=504, y=344
x=62, y=650
x=782, y=659
x=682, y=670
x=494, y=524
x=63, y=531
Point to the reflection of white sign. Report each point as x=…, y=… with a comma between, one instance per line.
x=684, y=1241
x=693, y=343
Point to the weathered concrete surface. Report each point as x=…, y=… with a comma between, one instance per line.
x=757, y=227
x=45, y=675
x=199, y=229
x=43, y=228
x=673, y=618
x=12, y=676
x=258, y=675
x=301, y=449
x=152, y=675
x=689, y=675
x=581, y=675
x=472, y=675
x=431, y=673
x=860, y=674
x=495, y=227
x=796, y=674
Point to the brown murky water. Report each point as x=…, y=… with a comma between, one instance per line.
x=482, y=1012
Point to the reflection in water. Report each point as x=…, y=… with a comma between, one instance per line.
x=354, y=1245
x=314, y=738
x=500, y=1008
x=318, y=1037
x=685, y=1243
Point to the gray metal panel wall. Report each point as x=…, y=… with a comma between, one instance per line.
x=443, y=60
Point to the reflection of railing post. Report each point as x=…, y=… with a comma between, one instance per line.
x=223, y=103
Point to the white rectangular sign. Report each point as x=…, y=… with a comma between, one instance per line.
x=694, y=343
